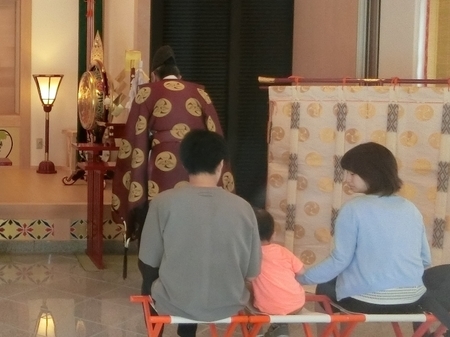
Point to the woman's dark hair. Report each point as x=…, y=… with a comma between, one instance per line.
x=266, y=224
x=376, y=165
x=201, y=151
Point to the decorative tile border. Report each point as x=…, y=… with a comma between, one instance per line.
x=26, y=229
x=45, y=229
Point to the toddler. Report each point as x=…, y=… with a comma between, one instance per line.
x=275, y=289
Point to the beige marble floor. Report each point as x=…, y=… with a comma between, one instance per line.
x=90, y=303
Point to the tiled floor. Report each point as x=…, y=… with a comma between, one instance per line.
x=86, y=302
x=83, y=303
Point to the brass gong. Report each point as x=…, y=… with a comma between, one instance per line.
x=93, y=96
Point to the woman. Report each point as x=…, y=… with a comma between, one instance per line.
x=381, y=249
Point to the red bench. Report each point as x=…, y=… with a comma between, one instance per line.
x=251, y=324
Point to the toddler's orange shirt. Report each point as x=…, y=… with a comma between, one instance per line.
x=276, y=290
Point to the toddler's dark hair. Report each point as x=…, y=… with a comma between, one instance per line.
x=266, y=224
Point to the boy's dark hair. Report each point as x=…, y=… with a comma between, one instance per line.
x=201, y=151
x=376, y=165
x=266, y=224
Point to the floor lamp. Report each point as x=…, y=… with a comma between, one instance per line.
x=47, y=86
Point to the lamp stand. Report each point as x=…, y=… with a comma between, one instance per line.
x=46, y=166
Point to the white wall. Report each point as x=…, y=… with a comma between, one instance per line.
x=54, y=50
x=118, y=33
x=126, y=27
x=400, y=38
x=325, y=38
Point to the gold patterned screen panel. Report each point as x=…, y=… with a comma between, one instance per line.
x=310, y=128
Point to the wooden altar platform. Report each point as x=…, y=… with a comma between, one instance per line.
x=25, y=193
x=39, y=213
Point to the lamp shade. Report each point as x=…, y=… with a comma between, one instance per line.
x=47, y=86
x=132, y=59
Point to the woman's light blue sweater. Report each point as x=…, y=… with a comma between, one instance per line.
x=380, y=243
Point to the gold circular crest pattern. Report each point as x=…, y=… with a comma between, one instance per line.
x=322, y=235
x=276, y=180
x=278, y=227
x=211, y=126
x=142, y=95
x=308, y=257
x=299, y=231
x=314, y=110
x=278, y=88
x=303, y=134
x=311, y=208
x=277, y=133
x=136, y=192
x=302, y=183
x=126, y=180
x=431, y=193
x=304, y=88
x=115, y=202
x=270, y=157
x=424, y=112
x=378, y=136
x=155, y=142
x=422, y=166
x=124, y=149
x=205, y=95
x=314, y=159
x=153, y=189
x=327, y=135
x=408, y=191
x=367, y=110
x=174, y=85
x=193, y=107
x=228, y=181
x=287, y=110
x=435, y=140
x=141, y=125
x=410, y=89
x=137, y=159
x=328, y=88
x=285, y=157
x=162, y=107
x=381, y=89
x=408, y=138
x=179, y=130
x=325, y=184
x=166, y=161
x=352, y=136
x=283, y=205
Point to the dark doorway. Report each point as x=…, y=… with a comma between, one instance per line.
x=225, y=45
